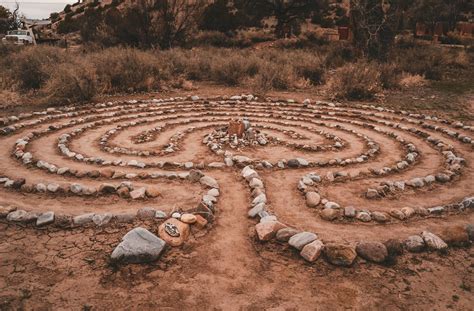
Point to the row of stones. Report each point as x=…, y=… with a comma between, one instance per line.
x=125, y=189
x=331, y=211
x=310, y=247
x=306, y=103
x=27, y=157
x=178, y=219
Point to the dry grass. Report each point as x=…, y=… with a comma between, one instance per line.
x=65, y=77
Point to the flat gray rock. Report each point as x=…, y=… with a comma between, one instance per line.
x=414, y=243
x=138, y=246
x=83, y=219
x=299, y=240
x=209, y=182
x=45, y=219
x=102, y=219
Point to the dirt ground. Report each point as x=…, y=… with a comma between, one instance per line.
x=227, y=268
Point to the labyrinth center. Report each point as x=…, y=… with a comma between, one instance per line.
x=344, y=173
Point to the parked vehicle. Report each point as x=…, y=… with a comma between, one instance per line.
x=19, y=37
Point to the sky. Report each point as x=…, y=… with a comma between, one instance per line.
x=37, y=9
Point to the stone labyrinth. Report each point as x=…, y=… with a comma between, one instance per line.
x=322, y=178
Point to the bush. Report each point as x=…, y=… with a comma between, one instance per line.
x=126, y=70
x=357, y=81
x=32, y=66
x=425, y=61
x=70, y=83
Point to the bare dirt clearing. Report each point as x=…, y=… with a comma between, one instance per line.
x=355, y=152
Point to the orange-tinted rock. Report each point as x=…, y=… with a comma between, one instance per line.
x=183, y=232
x=267, y=230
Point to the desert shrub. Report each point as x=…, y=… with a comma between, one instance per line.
x=127, y=70
x=211, y=38
x=409, y=80
x=458, y=59
x=355, y=81
x=338, y=54
x=232, y=69
x=32, y=66
x=389, y=75
x=71, y=82
x=426, y=61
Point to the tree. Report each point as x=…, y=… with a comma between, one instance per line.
x=373, y=24
x=288, y=13
x=431, y=12
x=177, y=19
x=9, y=20
x=219, y=16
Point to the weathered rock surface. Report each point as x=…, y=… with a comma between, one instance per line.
x=372, y=251
x=299, y=240
x=182, y=228
x=312, y=251
x=339, y=254
x=138, y=246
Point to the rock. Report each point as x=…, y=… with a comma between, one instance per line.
x=349, y=212
x=415, y=243
x=152, y=192
x=255, y=183
x=183, y=230
x=433, y=241
x=138, y=245
x=372, y=194
x=293, y=163
x=256, y=209
x=283, y=235
x=470, y=231
x=52, y=188
x=299, y=240
x=312, y=199
x=160, y=215
x=455, y=235
x=21, y=216
x=146, y=213
x=436, y=210
x=76, y=188
x=138, y=193
x=268, y=229
x=339, y=254
x=380, y=217
x=261, y=198
x=125, y=218
x=364, y=216
x=195, y=175
x=201, y=222
x=45, y=219
x=83, y=219
x=394, y=247
x=397, y=214
x=102, y=219
x=107, y=188
x=176, y=215
x=209, y=182
x=188, y=218
x=372, y=251
x=329, y=214
x=312, y=251
x=332, y=205
x=408, y=211
x=267, y=218
x=442, y=178
x=123, y=192
x=5, y=210
x=213, y=192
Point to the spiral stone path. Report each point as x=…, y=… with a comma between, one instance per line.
x=310, y=180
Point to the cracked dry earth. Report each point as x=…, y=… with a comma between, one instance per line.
x=360, y=155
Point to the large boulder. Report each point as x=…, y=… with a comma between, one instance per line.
x=138, y=245
x=339, y=254
x=372, y=251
